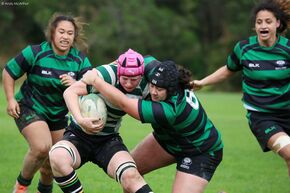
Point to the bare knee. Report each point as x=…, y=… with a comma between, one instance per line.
x=61, y=158
x=131, y=177
x=56, y=160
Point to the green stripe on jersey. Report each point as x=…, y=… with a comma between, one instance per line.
x=265, y=91
x=42, y=90
x=181, y=125
x=266, y=73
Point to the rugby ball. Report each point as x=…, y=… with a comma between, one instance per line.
x=93, y=106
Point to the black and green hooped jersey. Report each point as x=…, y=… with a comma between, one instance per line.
x=42, y=90
x=181, y=125
x=266, y=74
x=109, y=74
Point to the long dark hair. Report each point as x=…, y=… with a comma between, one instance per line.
x=79, y=38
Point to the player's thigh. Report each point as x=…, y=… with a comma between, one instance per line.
x=57, y=135
x=149, y=155
x=280, y=143
x=38, y=136
x=274, y=138
x=109, y=153
x=267, y=127
x=194, y=172
x=187, y=183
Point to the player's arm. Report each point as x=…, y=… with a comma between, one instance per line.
x=14, y=69
x=218, y=76
x=71, y=97
x=118, y=98
x=13, y=108
x=112, y=94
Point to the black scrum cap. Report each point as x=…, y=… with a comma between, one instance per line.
x=166, y=76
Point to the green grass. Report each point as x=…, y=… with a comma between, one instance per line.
x=244, y=169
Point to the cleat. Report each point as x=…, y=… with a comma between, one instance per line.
x=18, y=188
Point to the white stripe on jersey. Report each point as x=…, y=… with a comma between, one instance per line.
x=111, y=73
x=248, y=107
x=100, y=74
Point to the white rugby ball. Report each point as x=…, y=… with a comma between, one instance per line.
x=93, y=106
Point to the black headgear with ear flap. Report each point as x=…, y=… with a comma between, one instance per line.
x=166, y=76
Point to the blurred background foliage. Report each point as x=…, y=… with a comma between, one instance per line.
x=196, y=34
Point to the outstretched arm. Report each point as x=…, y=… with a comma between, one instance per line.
x=216, y=77
x=112, y=94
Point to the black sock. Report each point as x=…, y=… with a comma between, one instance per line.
x=44, y=188
x=145, y=189
x=22, y=181
x=69, y=183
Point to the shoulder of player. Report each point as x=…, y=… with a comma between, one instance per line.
x=110, y=68
x=242, y=44
x=108, y=72
x=283, y=41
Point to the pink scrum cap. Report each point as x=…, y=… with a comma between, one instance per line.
x=130, y=63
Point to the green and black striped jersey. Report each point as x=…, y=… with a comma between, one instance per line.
x=109, y=73
x=266, y=74
x=42, y=89
x=181, y=125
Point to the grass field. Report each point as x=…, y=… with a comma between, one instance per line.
x=244, y=169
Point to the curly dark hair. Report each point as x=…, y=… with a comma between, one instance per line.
x=171, y=76
x=185, y=76
x=280, y=9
